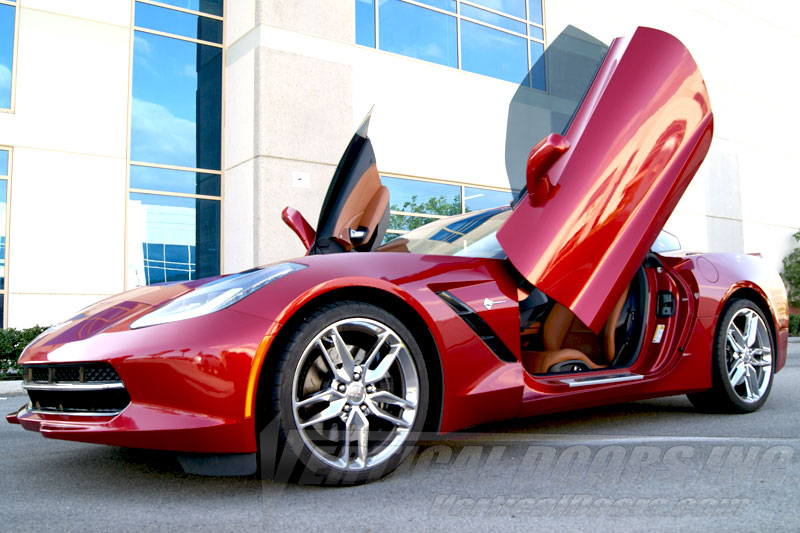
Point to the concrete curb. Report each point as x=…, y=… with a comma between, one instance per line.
x=11, y=387
x=794, y=339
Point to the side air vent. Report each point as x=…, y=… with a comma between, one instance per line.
x=479, y=326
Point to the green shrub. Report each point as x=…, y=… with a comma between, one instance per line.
x=12, y=342
x=791, y=274
x=794, y=324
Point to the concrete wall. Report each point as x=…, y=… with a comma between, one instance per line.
x=69, y=139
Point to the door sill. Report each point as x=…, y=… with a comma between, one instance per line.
x=601, y=380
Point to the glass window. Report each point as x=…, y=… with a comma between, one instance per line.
x=492, y=18
x=7, y=14
x=4, y=171
x=417, y=32
x=414, y=196
x=172, y=238
x=535, y=11
x=476, y=199
x=180, y=181
x=493, y=53
x=170, y=77
x=212, y=7
x=512, y=7
x=365, y=22
x=537, y=73
x=446, y=5
x=178, y=22
x=456, y=33
x=3, y=207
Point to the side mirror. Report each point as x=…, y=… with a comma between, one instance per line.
x=295, y=220
x=541, y=158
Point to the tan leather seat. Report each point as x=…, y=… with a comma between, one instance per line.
x=555, y=329
x=364, y=207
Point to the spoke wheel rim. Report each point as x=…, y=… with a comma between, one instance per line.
x=748, y=355
x=355, y=394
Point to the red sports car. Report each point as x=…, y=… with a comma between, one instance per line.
x=563, y=300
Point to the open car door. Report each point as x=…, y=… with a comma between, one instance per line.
x=355, y=212
x=597, y=197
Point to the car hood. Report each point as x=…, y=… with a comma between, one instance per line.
x=114, y=312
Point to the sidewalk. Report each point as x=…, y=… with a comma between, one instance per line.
x=11, y=387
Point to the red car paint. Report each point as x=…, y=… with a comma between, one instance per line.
x=193, y=382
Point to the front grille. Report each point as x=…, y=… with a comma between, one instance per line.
x=39, y=374
x=99, y=402
x=89, y=389
x=67, y=374
x=100, y=374
x=85, y=373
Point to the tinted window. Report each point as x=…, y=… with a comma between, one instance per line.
x=489, y=38
x=212, y=7
x=493, y=53
x=178, y=22
x=162, y=179
x=167, y=126
x=7, y=14
x=172, y=238
x=476, y=199
x=417, y=32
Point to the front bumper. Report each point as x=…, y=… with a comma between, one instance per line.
x=144, y=426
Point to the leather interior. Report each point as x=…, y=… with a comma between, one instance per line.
x=558, y=324
x=364, y=207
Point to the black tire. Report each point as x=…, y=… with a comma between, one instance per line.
x=389, y=408
x=754, y=365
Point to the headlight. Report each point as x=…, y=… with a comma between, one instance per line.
x=216, y=295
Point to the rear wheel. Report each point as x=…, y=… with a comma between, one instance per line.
x=742, y=364
x=351, y=393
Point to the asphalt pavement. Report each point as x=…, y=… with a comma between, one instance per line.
x=655, y=465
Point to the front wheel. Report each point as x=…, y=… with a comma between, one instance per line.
x=742, y=362
x=351, y=393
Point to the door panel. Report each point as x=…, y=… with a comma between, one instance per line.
x=636, y=141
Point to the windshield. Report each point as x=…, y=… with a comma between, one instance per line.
x=468, y=235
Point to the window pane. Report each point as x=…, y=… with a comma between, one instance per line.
x=212, y=7
x=537, y=32
x=512, y=7
x=417, y=32
x=169, y=77
x=535, y=11
x=365, y=23
x=537, y=67
x=6, y=53
x=3, y=162
x=492, y=18
x=3, y=206
x=407, y=223
x=476, y=199
x=172, y=239
x=447, y=5
x=181, y=181
x=493, y=53
x=177, y=22
x=415, y=196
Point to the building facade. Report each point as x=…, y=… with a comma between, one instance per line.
x=150, y=141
